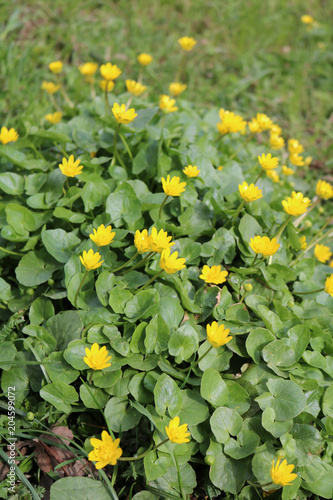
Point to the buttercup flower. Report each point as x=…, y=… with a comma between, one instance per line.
x=254, y=126
x=303, y=242
x=56, y=66
x=97, y=358
x=105, y=451
x=54, y=117
x=217, y=335
x=230, y=122
x=213, y=275
x=142, y=241
x=286, y=170
x=102, y=236
x=187, y=43
x=159, y=241
x=122, y=115
x=265, y=123
x=275, y=129
x=268, y=162
x=177, y=88
x=281, y=473
x=264, y=245
x=220, y=168
x=177, y=433
x=249, y=192
x=88, y=69
x=144, y=59
x=135, y=88
x=276, y=141
x=273, y=175
x=173, y=187
x=170, y=263
x=50, y=87
x=322, y=253
x=91, y=260
x=296, y=204
x=329, y=285
x=8, y=135
x=106, y=85
x=307, y=19
x=308, y=160
x=191, y=171
x=109, y=71
x=71, y=168
x=167, y=105
x=324, y=190
x=294, y=147
x=297, y=160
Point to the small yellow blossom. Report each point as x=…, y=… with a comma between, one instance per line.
x=230, y=122
x=286, y=170
x=213, y=275
x=281, y=473
x=265, y=123
x=297, y=160
x=331, y=263
x=106, y=451
x=50, y=87
x=249, y=192
x=217, y=335
x=254, y=126
x=264, y=245
x=106, y=85
x=308, y=160
x=322, y=253
x=303, y=242
x=177, y=433
x=173, y=187
x=177, y=88
x=329, y=285
x=159, y=241
x=220, y=168
x=324, y=190
x=102, y=236
x=294, y=147
x=91, y=260
x=123, y=115
x=71, y=168
x=306, y=19
x=167, y=104
x=97, y=358
x=275, y=129
x=54, y=117
x=144, y=59
x=296, y=204
x=276, y=141
x=109, y=71
x=268, y=162
x=88, y=69
x=191, y=171
x=273, y=175
x=135, y=88
x=8, y=135
x=56, y=67
x=187, y=43
x=170, y=263
x=142, y=241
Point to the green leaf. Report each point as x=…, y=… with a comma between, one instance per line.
x=41, y=309
x=20, y=218
x=183, y=342
x=327, y=404
x=123, y=205
x=64, y=214
x=143, y=118
x=50, y=135
x=84, y=488
x=7, y=353
x=143, y=305
x=256, y=341
x=118, y=298
x=120, y=416
x=167, y=396
x=171, y=311
x=59, y=243
x=138, y=390
x=157, y=335
x=213, y=388
x=194, y=410
x=5, y=290
x=271, y=320
x=104, y=283
x=35, y=268
x=59, y=370
x=75, y=353
x=60, y=395
x=249, y=228
x=245, y=445
x=195, y=220
x=11, y=183
x=226, y=473
x=225, y=422
x=65, y=326
x=285, y=397
x=276, y=428
x=92, y=397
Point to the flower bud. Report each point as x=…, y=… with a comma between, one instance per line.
x=50, y=282
x=308, y=223
x=290, y=303
x=209, y=459
x=321, y=210
x=281, y=454
x=248, y=287
x=30, y=415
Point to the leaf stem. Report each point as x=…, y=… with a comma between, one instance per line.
x=151, y=280
x=161, y=207
x=241, y=147
x=126, y=263
x=80, y=286
x=139, y=263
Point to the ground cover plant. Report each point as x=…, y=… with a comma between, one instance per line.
x=166, y=296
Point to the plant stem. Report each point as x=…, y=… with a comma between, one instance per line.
x=90, y=377
x=183, y=494
x=193, y=364
x=115, y=153
x=106, y=99
x=124, y=265
x=254, y=260
x=151, y=280
x=306, y=293
x=80, y=286
x=126, y=146
x=64, y=94
x=240, y=208
x=139, y=263
x=92, y=89
x=241, y=147
x=151, y=448
x=161, y=207
x=262, y=171
x=2, y=249
x=282, y=228
x=301, y=217
x=181, y=68
x=54, y=102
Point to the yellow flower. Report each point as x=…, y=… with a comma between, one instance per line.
x=106, y=85
x=50, y=87
x=213, y=275
x=297, y=160
x=329, y=285
x=88, y=69
x=322, y=253
x=296, y=204
x=230, y=122
x=187, y=43
x=177, y=433
x=159, y=241
x=331, y=263
x=264, y=245
x=122, y=115
x=294, y=147
x=54, y=117
x=173, y=187
x=268, y=162
x=102, y=236
x=167, y=105
x=71, y=168
x=220, y=168
x=273, y=175
x=308, y=160
x=286, y=170
x=97, y=358
x=8, y=135
x=144, y=59
x=191, y=171
x=56, y=66
x=135, y=88
x=105, y=451
x=276, y=141
x=177, y=88
x=217, y=335
x=275, y=129
x=265, y=123
x=254, y=126
x=307, y=19
x=249, y=192
x=303, y=242
x=324, y=190
x=142, y=241
x=281, y=473
x=109, y=71
x=170, y=263
x=90, y=260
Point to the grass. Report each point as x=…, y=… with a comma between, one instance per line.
x=251, y=56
